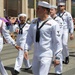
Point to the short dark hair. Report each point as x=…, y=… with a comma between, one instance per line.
x=47, y=10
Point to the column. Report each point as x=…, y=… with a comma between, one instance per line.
x=52, y=2
x=25, y=6
x=31, y=13
x=34, y=8
x=68, y=5
x=1, y=8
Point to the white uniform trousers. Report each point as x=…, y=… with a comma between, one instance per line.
x=41, y=65
x=20, y=58
x=65, y=51
x=2, y=69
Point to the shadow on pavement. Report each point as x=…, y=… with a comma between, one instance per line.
x=72, y=54
x=28, y=71
x=51, y=73
x=10, y=68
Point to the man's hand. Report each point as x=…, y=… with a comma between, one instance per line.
x=71, y=37
x=26, y=55
x=18, y=47
x=56, y=62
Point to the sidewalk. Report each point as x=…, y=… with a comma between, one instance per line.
x=9, y=54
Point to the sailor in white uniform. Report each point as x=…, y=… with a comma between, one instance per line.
x=53, y=11
x=44, y=32
x=21, y=30
x=4, y=33
x=68, y=28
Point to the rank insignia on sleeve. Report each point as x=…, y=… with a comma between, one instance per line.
x=70, y=18
x=58, y=33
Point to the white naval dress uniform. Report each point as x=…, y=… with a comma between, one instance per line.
x=68, y=27
x=12, y=28
x=58, y=69
x=3, y=30
x=20, y=40
x=43, y=50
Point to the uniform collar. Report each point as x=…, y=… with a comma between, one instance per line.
x=39, y=20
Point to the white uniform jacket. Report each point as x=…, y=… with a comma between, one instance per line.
x=49, y=34
x=60, y=22
x=22, y=37
x=68, y=21
x=12, y=28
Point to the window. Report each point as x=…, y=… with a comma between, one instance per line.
x=73, y=8
x=12, y=7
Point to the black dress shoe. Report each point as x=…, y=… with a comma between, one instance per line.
x=67, y=60
x=16, y=72
x=28, y=68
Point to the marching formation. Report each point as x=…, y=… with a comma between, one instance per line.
x=49, y=35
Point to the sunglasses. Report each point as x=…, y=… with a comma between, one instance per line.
x=60, y=6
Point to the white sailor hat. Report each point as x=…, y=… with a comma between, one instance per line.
x=44, y=4
x=53, y=7
x=24, y=15
x=61, y=3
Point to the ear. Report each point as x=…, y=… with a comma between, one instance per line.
x=45, y=10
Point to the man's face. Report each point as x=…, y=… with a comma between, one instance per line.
x=40, y=11
x=61, y=7
x=52, y=11
x=22, y=19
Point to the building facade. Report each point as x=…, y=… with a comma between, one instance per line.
x=15, y=7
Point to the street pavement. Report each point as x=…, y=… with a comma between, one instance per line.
x=9, y=54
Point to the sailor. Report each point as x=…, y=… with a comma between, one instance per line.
x=21, y=29
x=43, y=32
x=4, y=34
x=53, y=14
x=68, y=28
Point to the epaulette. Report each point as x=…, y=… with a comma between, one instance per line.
x=35, y=21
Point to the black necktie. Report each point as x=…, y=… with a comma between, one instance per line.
x=38, y=30
x=55, y=17
x=20, y=28
x=61, y=16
